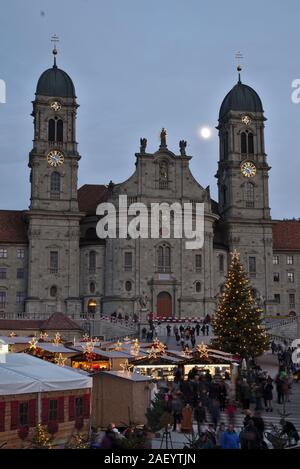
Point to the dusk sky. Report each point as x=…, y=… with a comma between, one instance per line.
x=140, y=65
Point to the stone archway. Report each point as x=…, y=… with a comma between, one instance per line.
x=164, y=305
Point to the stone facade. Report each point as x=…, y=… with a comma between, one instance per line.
x=68, y=269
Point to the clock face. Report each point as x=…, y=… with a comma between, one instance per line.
x=55, y=105
x=55, y=158
x=248, y=169
x=246, y=120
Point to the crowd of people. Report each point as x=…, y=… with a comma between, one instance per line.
x=185, y=336
x=201, y=399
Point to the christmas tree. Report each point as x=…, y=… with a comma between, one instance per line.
x=238, y=324
x=157, y=413
x=40, y=439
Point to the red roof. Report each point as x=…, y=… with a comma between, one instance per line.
x=90, y=196
x=56, y=322
x=286, y=235
x=12, y=227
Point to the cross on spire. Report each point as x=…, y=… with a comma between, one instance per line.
x=239, y=57
x=54, y=39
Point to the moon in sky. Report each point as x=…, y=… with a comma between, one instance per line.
x=205, y=132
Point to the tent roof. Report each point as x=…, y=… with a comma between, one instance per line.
x=21, y=373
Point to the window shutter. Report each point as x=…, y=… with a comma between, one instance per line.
x=32, y=412
x=2, y=416
x=45, y=410
x=61, y=408
x=14, y=415
x=86, y=406
x=71, y=408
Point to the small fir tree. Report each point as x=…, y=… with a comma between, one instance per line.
x=41, y=439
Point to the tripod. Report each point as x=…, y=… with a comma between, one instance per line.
x=166, y=437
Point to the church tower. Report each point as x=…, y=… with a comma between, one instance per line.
x=53, y=218
x=243, y=185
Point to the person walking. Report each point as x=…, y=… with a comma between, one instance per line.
x=168, y=330
x=197, y=329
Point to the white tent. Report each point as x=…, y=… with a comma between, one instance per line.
x=21, y=373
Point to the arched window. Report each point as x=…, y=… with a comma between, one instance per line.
x=51, y=130
x=59, y=131
x=224, y=195
x=247, y=143
x=249, y=195
x=198, y=287
x=128, y=285
x=221, y=263
x=250, y=144
x=92, y=305
x=226, y=145
x=164, y=258
x=55, y=130
x=55, y=183
x=243, y=143
x=92, y=287
x=92, y=262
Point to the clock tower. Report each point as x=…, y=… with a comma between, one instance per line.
x=243, y=185
x=53, y=218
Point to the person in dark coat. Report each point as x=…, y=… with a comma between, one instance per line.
x=259, y=424
x=177, y=406
x=222, y=394
x=200, y=416
x=249, y=437
x=268, y=395
x=197, y=329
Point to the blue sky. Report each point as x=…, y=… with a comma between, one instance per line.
x=140, y=65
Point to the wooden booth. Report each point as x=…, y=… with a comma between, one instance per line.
x=120, y=397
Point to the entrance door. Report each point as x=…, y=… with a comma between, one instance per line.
x=164, y=304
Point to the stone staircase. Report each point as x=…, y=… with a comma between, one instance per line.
x=107, y=329
x=283, y=329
